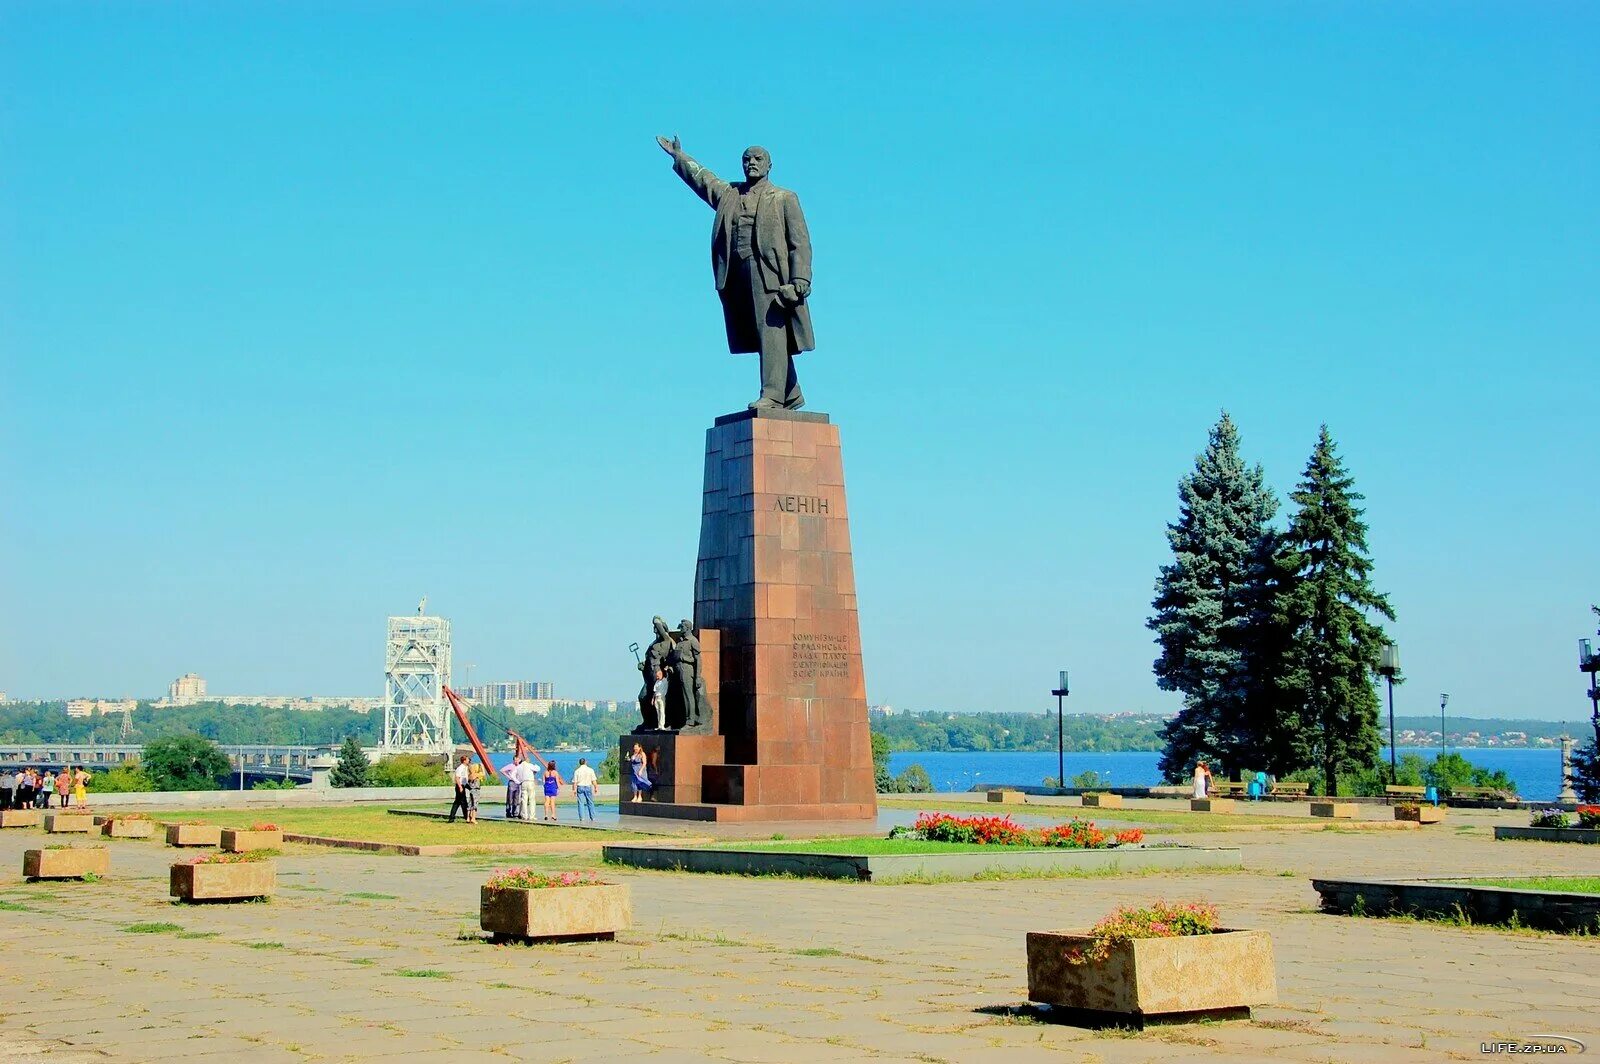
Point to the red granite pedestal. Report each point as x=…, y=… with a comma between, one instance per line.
x=775, y=579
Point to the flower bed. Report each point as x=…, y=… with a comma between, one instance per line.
x=1548, y=818
x=1589, y=816
x=238, y=876
x=66, y=862
x=526, y=904
x=1167, y=960
x=194, y=835
x=257, y=837
x=1003, y=831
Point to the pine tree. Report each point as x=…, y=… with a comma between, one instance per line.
x=353, y=767
x=1328, y=607
x=1214, y=605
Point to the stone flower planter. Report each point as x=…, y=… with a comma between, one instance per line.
x=548, y=913
x=69, y=863
x=1008, y=797
x=21, y=818
x=126, y=829
x=1216, y=975
x=239, y=840
x=194, y=835
x=57, y=823
x=1212, y=805
x=1336, y=810
x=1103, y=801
x=240, y=881
x=1423, y=814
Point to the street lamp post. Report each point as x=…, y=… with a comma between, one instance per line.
x=1444, y=700
x=1589, y=662
x=1061, y=747
x=1389, y=668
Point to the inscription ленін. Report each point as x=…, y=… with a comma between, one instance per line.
x=817, y=656
x=800, y=504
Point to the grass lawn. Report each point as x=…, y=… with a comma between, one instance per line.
x=1169, y=821
x=1555, y=884
x=376, y=825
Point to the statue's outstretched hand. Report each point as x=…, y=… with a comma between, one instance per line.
x=671, y=147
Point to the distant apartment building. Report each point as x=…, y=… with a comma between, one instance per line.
x=89, y=707
x=189, y=685
x=294, y=702
x=504, y=694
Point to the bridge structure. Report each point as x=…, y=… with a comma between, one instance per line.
x=270, y=762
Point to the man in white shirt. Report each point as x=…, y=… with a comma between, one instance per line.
x=526, y=775
x=583, y=782
x=462, y=775
x=513, y=774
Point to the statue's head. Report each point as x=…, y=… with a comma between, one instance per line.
x=660, y=627
x=686, y=626
x=757, y=163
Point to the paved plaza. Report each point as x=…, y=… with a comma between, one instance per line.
x=369, y=957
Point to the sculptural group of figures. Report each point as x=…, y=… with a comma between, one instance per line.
x=674, y=694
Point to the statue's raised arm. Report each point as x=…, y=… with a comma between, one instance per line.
x=707, y=185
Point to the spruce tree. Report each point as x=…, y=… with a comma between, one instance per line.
x=353, y=767
x=1329, y=606
x=1214, y=603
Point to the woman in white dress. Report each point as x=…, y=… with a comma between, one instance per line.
x=1200, y=776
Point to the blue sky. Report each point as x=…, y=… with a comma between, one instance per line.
x=309, y=309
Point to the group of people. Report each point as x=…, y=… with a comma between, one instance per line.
x=31, y=788
x=523, y=781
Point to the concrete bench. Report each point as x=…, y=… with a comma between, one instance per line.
x=1290, y=787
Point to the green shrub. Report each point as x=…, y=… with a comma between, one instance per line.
x=123, y=779
x=409, y=770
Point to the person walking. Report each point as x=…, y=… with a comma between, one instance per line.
x=8, y=789
x=641, y=779
x=47, y=789
x=552, y=787
x=461, y=777
x=474, y=785
x=514, y=787
x=529, y=776
x=24, y=796
x=583, y=785
x=80, y=786
x=64, y=788
x=1201, y=778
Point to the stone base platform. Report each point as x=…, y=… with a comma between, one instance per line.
x=739, y=814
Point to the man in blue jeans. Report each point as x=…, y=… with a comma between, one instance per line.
x=583, y=781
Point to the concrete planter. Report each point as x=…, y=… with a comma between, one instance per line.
x=223, y=882
x=1103, y=801
x=1008, y=797
x=1212, y=805
x=126, y=829
x=59, y=823
x=1221, y=974
x=1422, y=814
x=900, y=867
x=1336, y=810
x=1550, y=910
x=238, y=840
x=21, y=818
x=194, y=835
x=73, y=863
x=1589, y=835
x=549, y=913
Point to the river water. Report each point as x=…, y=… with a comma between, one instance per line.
x=1537, y=772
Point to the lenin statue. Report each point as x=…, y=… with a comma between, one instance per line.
x=761, y=260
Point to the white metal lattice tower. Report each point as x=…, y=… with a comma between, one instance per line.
x=416, y=670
